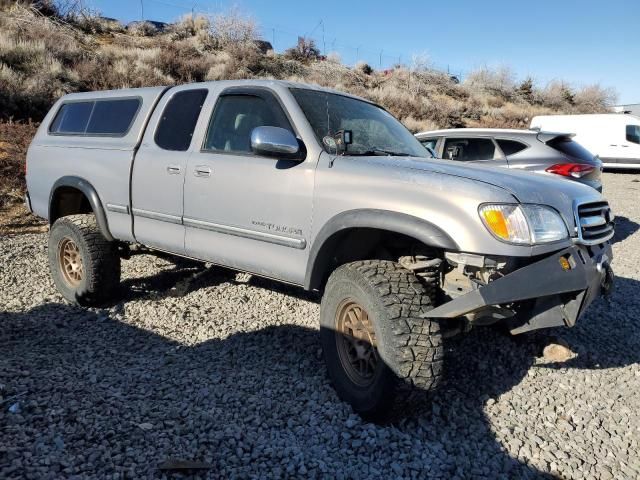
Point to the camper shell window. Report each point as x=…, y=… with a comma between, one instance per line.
x=109, y=117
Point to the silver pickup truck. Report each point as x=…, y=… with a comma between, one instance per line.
x=326, y=191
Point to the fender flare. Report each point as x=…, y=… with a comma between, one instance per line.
x=418, y=228
x=92, y=196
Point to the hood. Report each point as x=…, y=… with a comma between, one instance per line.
x=526, y=187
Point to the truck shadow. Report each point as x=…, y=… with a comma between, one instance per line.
x=624, y=228
x=181, y=278
x=108, y=389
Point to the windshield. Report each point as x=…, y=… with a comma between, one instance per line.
x=374, y=131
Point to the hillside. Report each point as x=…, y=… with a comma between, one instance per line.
x=45, y=53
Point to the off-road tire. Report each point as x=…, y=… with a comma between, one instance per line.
x=410, y=348
x=100, y=261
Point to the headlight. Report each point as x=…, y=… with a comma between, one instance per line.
x=523, y=224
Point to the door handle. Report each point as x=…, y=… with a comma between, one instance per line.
x=173, y=169
x=202, y=171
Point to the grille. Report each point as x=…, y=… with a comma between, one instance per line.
x=595, y=222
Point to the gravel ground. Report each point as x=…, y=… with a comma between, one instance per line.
x=223, y=368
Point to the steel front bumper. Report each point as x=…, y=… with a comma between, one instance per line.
x=558, y=295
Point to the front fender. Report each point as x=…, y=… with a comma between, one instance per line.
x=402, y=223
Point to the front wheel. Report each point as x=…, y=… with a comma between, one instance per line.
x=381, y=356
x=84, y=265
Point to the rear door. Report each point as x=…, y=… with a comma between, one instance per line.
x=473, y=149
x=157, y=182
x=244, y=210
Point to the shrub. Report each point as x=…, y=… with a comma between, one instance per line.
x=48, y=50
x=526, y=90
x=142, y=29
x=190, y=26
x=364, y=68
x=497, y=82
x=233, y=28
x=594, y=99
x=14, y=141
x=304, y=51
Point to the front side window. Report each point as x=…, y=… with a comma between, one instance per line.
x=235, y=117
x=96, y=117
x=179, y=118
x=633, y=133
x=469, y=149
x=374, y=131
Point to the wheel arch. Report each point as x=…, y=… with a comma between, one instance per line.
x=334, y=232
x=82, y=194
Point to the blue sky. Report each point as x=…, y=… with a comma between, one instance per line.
x=581, y=42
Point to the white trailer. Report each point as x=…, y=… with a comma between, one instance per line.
x=614, y=137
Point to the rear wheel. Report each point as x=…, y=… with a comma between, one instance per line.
x=84, y=265
x=381, y=356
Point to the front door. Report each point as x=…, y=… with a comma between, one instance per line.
x=157, y=181
x=243, y=210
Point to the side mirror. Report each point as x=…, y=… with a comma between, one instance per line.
x=274, y=142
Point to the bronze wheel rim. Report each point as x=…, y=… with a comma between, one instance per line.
x=356, y=342
x=70, y=262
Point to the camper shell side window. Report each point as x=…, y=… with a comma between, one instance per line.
x=109, y=117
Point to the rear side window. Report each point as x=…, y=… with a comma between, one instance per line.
x=571, y=148
x=633, y=133
x=96, y=117
x=179, y=118
x=510, y=147
x=469, y=149
x=235, y=117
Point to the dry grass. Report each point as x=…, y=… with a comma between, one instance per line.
x=43, y=56
x=14, y=141
x=46, y=53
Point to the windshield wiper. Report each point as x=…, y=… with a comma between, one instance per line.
x=378, y=152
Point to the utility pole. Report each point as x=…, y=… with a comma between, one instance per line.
x=273, y=38
x=381, y=58
x=324, y=45
x=141, y=10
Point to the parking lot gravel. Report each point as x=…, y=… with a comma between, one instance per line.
x=201, y=364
